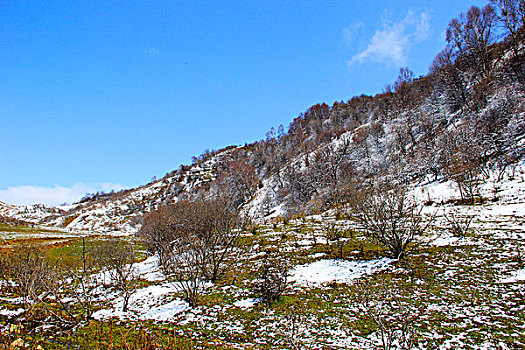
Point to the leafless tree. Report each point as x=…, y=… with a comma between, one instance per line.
x=185, y=266
x=237, y=179
x=337, y=238
x=510, y=14
x=296, y=316
x=193, y=240
x=299, y=182
x=66, y=293
x=117, y=258
x=452, y=81
x=271, y=281
x=402, y=87
x=463, y=159
x=24, y=272
x=391, y=219
x=393, y=320
x=79, y=284
x=472, y=33
x=157, y=233
x=219, y=225
x=458, y=224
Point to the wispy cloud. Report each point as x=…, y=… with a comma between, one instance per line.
x=391, y=43
x=56, y=195
x=152, y=51
x=352, y=32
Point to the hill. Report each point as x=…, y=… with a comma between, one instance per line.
x=394, y=221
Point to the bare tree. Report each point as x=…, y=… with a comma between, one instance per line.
x=472, y=33
x=25, y=271
x=193, y=241
x=451, y=79
x=217, y=229
x=458, y=224
x=510, y=14
x=79, y=284
x=294, y=320
x=271, y=281
x=185, y=266
x=300, y=182
x=237, y=178
x=157, y=232
x=117, y=257
x=55, y=289
x=402, y=87
x=390, y=219
x=463, y=160
x=393, y=320
x=337, y=238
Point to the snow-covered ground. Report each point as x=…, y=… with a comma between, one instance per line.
x=466, y=288
x=323, y=271
x=156, y=302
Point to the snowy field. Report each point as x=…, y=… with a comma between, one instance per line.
x=454, y=292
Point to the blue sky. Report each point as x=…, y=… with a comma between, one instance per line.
x=107, y=94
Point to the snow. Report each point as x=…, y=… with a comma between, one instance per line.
x=165, y=312
x=11, y=313
x=445, y=241
x=149, y=303
x=323, y=271
x=246, y=303
x=149, y=269
x=518, y=276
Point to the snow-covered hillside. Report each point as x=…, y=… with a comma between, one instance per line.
x=31, y=213
x=119, y=213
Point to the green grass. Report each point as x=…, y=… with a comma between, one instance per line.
x=440, y=303
x=26, y=229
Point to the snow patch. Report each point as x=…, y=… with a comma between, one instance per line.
x=247, y=303
x=328, y=270
x=445, y=241
x=518, y=276
x=148, y=303
x=8, y=313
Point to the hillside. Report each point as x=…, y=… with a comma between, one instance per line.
x=459, y=122
x=394, y=221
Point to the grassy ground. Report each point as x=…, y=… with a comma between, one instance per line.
x=450, y=296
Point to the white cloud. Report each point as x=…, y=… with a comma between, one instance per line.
x=152, y=51
x=56, y=195
x=351, y=33
x=392, y=42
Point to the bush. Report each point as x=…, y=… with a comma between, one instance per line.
x=394, y=322
x=48, y=288
x=271, y=282
x=118, y=257
x=390, y=219
x=458, y=225
x=193, y=241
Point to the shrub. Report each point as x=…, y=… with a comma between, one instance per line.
x=193, y=241
x=458, y=225
x=118, y=257
x=271, y=282
x=390, y=219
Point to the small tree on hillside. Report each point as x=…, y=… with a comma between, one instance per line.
x=337, y=238
x=193, y=241
x=386, y=310
x=238, y=179
x=271, y=281
x=472, y=34
x=390, y=219
x=510, y=15
x=118, y=258
x=24, y=272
